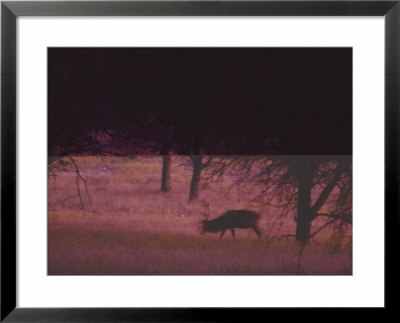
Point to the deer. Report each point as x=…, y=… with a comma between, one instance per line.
x=243, y=219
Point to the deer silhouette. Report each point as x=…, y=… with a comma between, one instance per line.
x=243, y=219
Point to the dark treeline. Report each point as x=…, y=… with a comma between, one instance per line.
x=193, y=101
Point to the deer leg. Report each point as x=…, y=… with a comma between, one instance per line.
x=233, y=232
x=256, y=231
x=222, y=233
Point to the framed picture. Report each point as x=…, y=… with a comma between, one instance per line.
x=176, y=160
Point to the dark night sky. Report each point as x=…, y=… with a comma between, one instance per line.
x=300, y=98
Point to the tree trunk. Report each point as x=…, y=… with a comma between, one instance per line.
x=194, y=186
x=304, y=213
x=166, y=174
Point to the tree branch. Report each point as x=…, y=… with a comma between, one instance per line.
x=344, y=218
x=327, y=190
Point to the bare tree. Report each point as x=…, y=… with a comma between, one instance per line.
x=56, y=165
x=303, y=185
x=198, y=166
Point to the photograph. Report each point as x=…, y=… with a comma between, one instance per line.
x=199, y=161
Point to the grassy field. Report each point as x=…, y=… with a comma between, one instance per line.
x=129, y=227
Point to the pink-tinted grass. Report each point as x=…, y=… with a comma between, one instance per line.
x=129, y=227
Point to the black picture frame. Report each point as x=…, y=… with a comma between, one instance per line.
x=11, y=10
